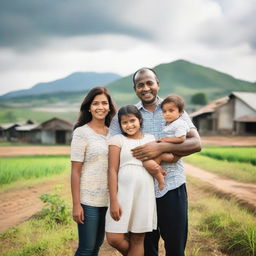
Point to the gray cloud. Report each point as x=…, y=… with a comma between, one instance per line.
x=29, y=23
x=234, y=26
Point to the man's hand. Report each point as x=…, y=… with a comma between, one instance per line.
x=147, y=151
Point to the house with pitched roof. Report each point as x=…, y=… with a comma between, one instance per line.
x=53, y=131
x=234, y=114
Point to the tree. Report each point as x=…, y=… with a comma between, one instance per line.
x=199, y=99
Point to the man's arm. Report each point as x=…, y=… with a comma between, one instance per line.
x=175, y=140
x=191, y=145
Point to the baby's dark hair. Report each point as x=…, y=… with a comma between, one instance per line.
x=129, y=110
x=176, y=99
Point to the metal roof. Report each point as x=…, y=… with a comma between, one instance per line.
x=211, y=107
x=248, y=98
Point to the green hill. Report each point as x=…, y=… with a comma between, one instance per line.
x=184, y=78
x=180, y=77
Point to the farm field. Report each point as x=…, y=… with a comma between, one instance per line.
x=237, y=163
x=214, y=229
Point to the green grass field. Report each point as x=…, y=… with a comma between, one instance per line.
x=31, y=167
x=238, y=166
x=231, y=154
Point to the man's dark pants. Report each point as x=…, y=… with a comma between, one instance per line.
x=172, y=216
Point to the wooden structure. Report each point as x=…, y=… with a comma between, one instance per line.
x=234, y=114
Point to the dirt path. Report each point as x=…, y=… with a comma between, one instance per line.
x=229, y=140
x=243, y=192
x=33, y=150
x=50, y=150
x=19, y=205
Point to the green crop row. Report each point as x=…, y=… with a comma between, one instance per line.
x=23, y=168
x=231, y=154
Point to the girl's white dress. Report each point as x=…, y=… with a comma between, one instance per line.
x=135, y=190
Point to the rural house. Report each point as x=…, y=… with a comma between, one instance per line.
x=53, y=131
x=8, y=131
x=234, y=114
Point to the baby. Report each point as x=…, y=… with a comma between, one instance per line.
x=176, y=129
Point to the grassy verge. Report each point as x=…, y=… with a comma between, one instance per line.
x=220, y=223
x=31, y=167
x=243, y=172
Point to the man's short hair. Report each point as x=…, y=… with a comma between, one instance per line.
x=141, y=71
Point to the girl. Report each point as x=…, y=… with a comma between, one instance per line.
x=132, y=198
x=89, y=153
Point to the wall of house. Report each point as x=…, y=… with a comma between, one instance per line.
x=224, y=117
x=29, y=136
x=48, y=137
x=204, y=123
x=68, y=137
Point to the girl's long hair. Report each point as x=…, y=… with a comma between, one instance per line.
x=85, y=116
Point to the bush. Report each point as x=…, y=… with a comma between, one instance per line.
x=57, y=210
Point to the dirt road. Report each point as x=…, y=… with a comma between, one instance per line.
x=50, y=150
x=34, y=150
x=243, y=192
x=19, y=205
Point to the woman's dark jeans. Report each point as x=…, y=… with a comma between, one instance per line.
x=91, y=233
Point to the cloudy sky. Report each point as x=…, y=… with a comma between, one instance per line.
x=45, y=40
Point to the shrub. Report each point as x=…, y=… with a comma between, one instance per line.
x=57, y=210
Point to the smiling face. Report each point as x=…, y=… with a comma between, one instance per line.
x=170, y=112
x=99, y=107
x=130, y=125
x=146, y=86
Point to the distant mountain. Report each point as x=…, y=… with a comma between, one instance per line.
x=180, y=77
x=185, y=78
x=80, y=81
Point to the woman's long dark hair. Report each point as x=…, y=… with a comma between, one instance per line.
x=85, y=116
x=129, y=110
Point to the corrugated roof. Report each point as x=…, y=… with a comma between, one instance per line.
x=211, y=107
x=8, y=125
x=248, y=98
x=26, y=127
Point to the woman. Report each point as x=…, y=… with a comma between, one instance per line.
x=89, y=156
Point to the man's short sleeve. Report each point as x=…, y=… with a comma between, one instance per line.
x=114, y=127
x=185, y=117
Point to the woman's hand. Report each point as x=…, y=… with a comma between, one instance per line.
x=78, y=214
x=115, y=211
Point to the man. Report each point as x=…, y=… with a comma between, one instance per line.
x=172, y=200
